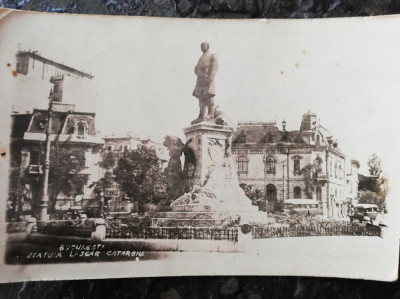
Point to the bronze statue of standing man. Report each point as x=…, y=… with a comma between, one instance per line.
x=205, y=70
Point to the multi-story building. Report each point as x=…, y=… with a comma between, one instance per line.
x=302, y=163
x=69, y=129
x=120, y=143
x=352, y=180
x=33, y=73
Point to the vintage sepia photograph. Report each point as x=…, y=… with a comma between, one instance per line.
x=135, y=147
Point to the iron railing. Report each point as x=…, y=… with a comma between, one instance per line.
x=16, y=227
x=180, y=233
x=66, y=228
x=299, y=230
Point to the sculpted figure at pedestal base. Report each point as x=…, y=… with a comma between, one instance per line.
x=178, y=181
x=205, y=70
x=173, y=171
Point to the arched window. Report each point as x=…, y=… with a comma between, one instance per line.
x=270, y=165
x=270, y=192
x=297, y=192
x=242, y=164
x=81, y=129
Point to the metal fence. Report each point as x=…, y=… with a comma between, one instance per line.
x=180, y=233
x=66, y=228
x=16, y=227
x=298, y=230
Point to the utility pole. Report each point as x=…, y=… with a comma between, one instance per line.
x=44, y=203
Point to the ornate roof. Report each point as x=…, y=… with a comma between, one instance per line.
x=255, y=133
x=64, y=125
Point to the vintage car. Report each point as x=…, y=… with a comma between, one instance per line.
x=302, y=206
x=364, y=213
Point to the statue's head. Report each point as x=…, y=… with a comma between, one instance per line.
x=174, y=145
x=204, y=47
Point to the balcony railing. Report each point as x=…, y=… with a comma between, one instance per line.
x=35, y=169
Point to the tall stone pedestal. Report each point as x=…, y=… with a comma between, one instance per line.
x=211, y=180
x=209, y=143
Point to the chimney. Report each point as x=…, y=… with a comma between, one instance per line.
x=56, y=94
x=335, y=143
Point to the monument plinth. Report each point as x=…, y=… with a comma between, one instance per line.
x=208, y=142
x=211, y=182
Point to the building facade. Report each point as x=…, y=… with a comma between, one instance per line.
x=33, y=74
x=304, y=163
x=69, y=130
x=120, y=143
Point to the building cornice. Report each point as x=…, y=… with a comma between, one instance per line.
x=61, y=66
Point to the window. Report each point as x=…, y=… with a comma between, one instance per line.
x=271, y=192
x=34, y=163
x=296, y=166
x=270, y=165
x=22, y=65
x=319, y=194
x=336, y=168
x=242, y=164
x=297, y=192
x=34, y=158
x=81, y=129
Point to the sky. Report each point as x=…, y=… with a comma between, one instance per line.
x=345, y=70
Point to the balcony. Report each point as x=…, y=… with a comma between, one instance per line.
x=323, y=178
x=34, y=169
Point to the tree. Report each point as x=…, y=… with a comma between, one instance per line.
x=139, y=175
x=311, y=173
x=101, y=185
x=376, y=189
x=367, y=196
x=66, y=165
x=108, y=161
x=374, y=165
